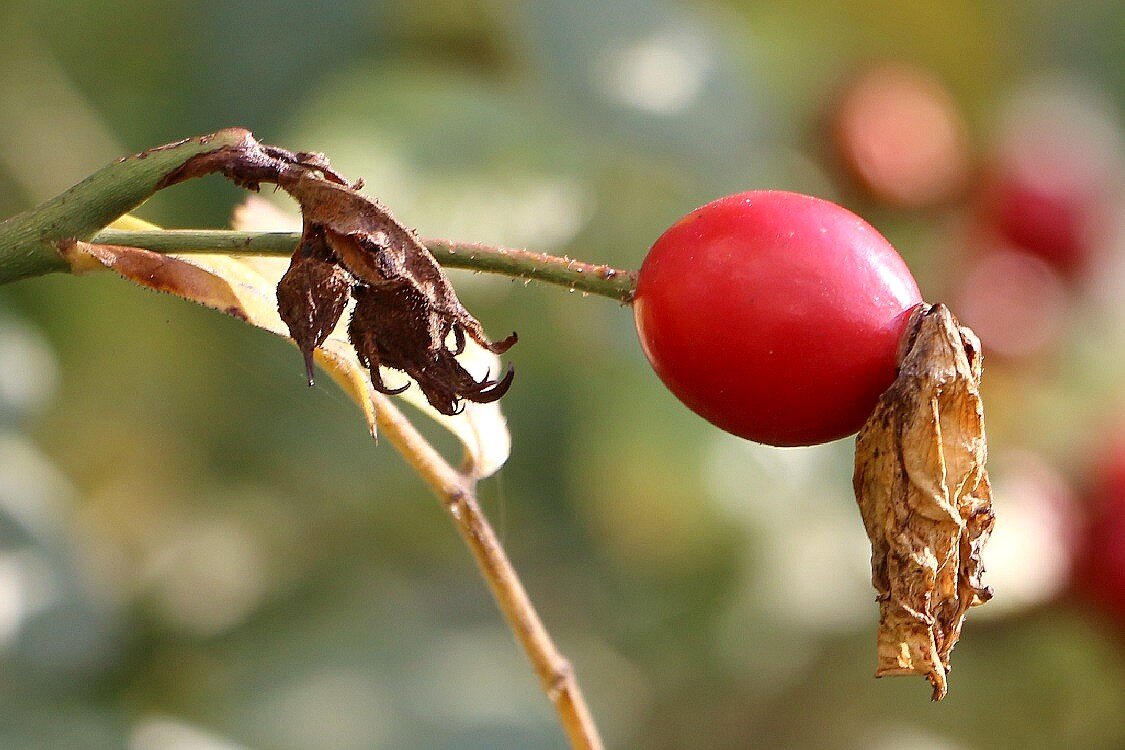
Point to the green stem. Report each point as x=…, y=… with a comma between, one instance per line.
x=592, y=278
x=29, y=241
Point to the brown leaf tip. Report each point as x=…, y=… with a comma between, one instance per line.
x=923, y=491
x=312, y=294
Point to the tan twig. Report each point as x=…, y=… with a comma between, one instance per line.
x=457, y=495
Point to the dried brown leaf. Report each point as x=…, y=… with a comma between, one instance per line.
x=387, y=267
x=244, y=288
x=312, y=294
x=480, y=427
x=923, y=491
x=390, y=328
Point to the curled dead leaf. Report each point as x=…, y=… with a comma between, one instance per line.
x=389, y=328
x=923, y=491
x=313, y=294
x=244, y=288
x=480, y=426
x=352, y=247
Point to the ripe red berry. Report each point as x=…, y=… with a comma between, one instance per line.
x=775, y=316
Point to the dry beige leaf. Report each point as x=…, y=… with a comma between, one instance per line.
x=923, y=491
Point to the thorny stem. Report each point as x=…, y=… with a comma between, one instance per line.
x=29, y=247
x=28, y=241
x=455, y=491
x=592, y=278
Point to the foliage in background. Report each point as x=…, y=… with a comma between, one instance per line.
x=195, y=548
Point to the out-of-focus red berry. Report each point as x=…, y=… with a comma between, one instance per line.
x=1014, y=301
x=1049, y=185
x=1047, y=221
x=900, y=134
x=1099, y=576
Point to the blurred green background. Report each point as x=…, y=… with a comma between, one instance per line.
x=199, y=552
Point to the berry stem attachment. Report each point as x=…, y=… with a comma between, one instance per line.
x=599, y=279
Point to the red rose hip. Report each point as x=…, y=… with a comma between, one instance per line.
x=775, y=316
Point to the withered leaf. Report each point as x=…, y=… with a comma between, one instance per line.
x=312, y=294
x=353, y=246
x=245, y=288
x=480, y=426
x=390, y=327
x=923, y=491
